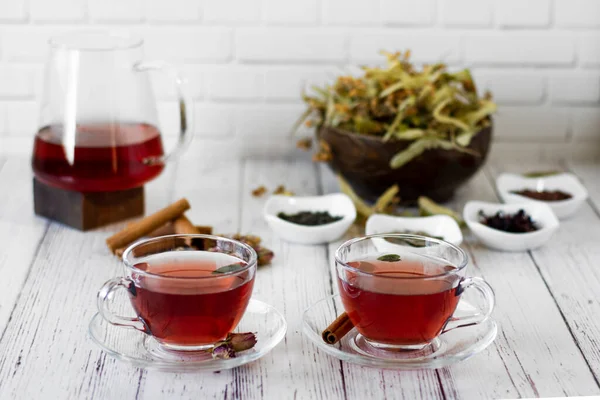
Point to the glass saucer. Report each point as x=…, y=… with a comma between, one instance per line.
x=143, y=351
x=449, y=348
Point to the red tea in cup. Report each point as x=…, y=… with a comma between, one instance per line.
x=182, y=310
x=410, y=310
x=188, y=291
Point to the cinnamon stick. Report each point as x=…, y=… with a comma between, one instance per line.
x=338, y=329
x=166, y=229
x=184, y=225
x=205, y=229
x=136, y=230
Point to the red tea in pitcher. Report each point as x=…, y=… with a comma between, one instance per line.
x=190, y=312
x=101, y=157
x=390, y=306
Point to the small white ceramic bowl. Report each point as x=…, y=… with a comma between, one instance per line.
x=540, y=213
x=568, y=183
x=436, y=225
x=336, y=204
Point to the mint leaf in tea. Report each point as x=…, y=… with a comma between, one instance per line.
x=389, y=258
x=229, y=268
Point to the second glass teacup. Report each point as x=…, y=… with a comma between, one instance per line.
x=185, y=298
x=404, y=300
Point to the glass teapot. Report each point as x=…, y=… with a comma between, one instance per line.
x=98, y=121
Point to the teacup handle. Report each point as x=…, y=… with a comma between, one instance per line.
x=185, y=107
x=486, y=292
x=105, y=293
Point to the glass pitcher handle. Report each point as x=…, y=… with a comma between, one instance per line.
x=185, y=106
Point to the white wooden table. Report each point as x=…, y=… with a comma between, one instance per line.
x=548, y=302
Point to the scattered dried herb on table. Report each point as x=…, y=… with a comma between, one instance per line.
x=304, y=144
x=265, y=256
x=310, y=218
x=544, y=195
x=281, y=190
x=259, y=191
x=513, y=223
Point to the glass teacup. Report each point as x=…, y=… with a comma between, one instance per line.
x=185, y=298
x=400, y=291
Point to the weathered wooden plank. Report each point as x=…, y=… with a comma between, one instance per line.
x=523, y=356
x=212, y=185
x=45, y=348
x=533, y=339
x=288, y=284
x=298, y=278
x=588, y=174
x=20, y=231
x=46, y=351
x=362, y=383
x=570, y=268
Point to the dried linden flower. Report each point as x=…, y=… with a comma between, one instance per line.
x=259, y=191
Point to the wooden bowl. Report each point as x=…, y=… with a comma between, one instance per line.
x=364, y=162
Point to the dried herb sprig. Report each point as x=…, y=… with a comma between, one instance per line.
x=541, y=174
x=429, y=207
x=432, y=107
x=385, y=204
x=265, y=256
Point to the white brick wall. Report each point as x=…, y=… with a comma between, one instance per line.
x=522, y=14
x=247, y=61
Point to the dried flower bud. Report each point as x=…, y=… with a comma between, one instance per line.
x=234, y=342
x=241, y=341
x=223, y=350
